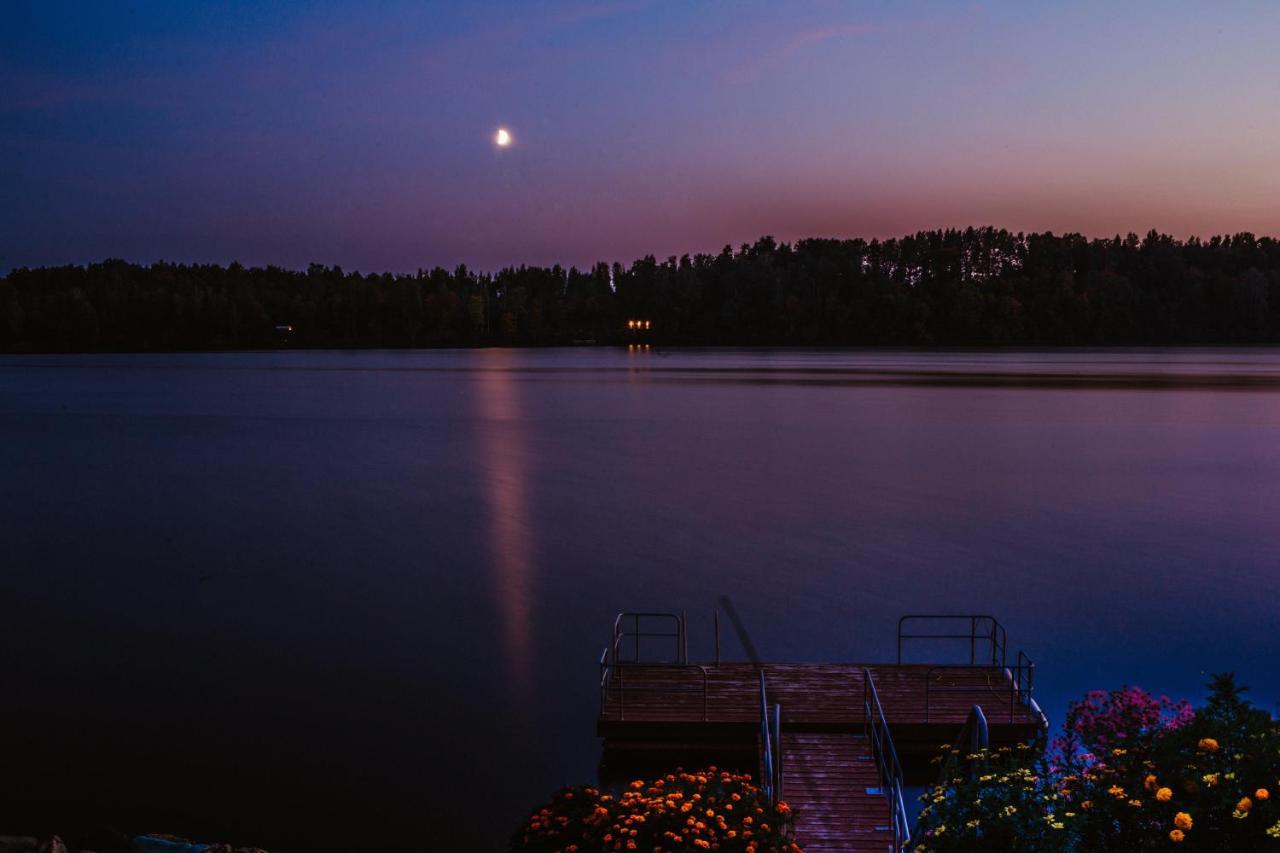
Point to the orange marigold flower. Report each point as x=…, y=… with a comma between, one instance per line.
x=1261, y=794
x=1176, y=836
x=1244, y=805
x=1150, y=782
x=1164, y=795
x=1182, y=820
x=1207, y=744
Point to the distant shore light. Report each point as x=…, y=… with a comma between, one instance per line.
x=502, y=138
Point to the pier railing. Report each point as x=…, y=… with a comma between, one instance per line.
x=633, y=633
x=986, y=637
x=1012, y=686
x=770, y=746
x=988, y=653
x=886, y=758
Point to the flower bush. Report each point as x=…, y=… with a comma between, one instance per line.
x=990, y=800
x=709, y=809
x=1129, y=772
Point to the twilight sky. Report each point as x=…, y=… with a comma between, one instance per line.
x=360, y=133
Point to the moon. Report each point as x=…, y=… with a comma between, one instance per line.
x=502, y=138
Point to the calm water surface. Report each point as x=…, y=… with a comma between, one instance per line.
x=297, y=599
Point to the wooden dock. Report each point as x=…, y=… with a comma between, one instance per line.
x=832, y=739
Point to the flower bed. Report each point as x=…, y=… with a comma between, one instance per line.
x=709, y=809
x=1129, y=772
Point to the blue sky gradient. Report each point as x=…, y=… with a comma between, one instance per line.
x=361, y=133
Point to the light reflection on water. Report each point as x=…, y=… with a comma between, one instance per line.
x=282, y=596
x=502, y=462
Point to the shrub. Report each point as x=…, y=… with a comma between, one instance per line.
x=702, y=810
x=1129, y=772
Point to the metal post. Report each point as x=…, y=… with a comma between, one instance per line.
x=716, y=613
x=777, y=740
x=684, y=636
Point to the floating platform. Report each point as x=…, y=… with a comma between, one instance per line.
x=837, y=741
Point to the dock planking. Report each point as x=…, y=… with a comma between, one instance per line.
x=844, y=795
x=813, y=696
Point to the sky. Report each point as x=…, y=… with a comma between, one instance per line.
x=362, y=133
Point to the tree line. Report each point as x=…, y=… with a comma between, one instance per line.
x=971, y=287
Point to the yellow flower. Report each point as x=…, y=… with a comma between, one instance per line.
x=1208, y=744
x=1164, y=795
x=1182, y=820
x=1176, y=836
x=1117, y=792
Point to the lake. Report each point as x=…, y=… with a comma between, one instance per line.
x=327, y=600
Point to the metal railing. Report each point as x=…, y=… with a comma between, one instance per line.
x=636, y=633
x=974, y=736
x=982, y=630
x=614, y=688
x=988, y=652
x=626, y=652
x=886, y=758
x=770, y=746
x=1011, y=685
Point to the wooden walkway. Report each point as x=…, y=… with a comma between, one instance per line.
x=840, y=756
x=820, y=696
x=833, y=787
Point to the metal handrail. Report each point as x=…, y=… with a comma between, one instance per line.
x=1020, y=679
x=612, y=681
x=777, y=745
x=992, y=633
x=679, y=634
x=770, y=746
x=766, y=745
x=975, y=734
x=973, y=737
x=876, y=730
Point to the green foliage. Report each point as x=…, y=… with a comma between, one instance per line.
x=979, y=286
x=993, y=799
x=1202, y=782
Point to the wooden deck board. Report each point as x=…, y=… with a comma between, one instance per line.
x=829, y=695
x=825, y=780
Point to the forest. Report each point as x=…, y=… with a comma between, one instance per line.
x=971, y=287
